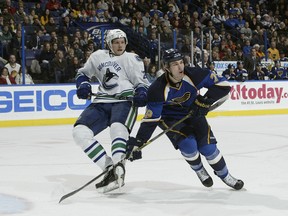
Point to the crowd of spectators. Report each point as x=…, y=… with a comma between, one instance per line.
x=247, y=32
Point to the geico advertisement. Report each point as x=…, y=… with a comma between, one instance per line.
x=255, y=95
x=40, y=101
x=60, y=101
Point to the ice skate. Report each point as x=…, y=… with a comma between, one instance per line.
x=204, y=177
x=114, y=179
x=229, y=180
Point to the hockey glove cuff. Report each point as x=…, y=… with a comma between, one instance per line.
x=132, y=149
x=200, y=106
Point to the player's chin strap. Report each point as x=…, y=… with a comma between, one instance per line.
x=214, y=106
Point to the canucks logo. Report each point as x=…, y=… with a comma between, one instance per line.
x=110, y=79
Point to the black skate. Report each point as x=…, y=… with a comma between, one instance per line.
x=204, y=177
x=229, y=180
x=113, y=179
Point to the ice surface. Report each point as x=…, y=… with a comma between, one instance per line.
x=38, y=165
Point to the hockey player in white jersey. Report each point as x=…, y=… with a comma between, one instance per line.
x=122, y=88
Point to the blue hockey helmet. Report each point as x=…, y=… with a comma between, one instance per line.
x=171, y=55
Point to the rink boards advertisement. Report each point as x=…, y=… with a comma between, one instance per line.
x=58, y=104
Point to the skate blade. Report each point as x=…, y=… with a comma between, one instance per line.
x=111, y=187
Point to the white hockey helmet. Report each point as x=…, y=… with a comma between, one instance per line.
x=115, y=34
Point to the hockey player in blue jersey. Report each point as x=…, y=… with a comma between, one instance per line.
x=170, y=98
x=121, y=76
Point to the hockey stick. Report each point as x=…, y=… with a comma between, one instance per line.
x=214, y=106
x=190, y=114
x=85, y=185
x=128, y=98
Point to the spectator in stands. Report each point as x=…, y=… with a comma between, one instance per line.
x=87, y=53
x=65, y=44
x=146, y=19
x=258, y=73
x=228, y=55
x=211, y=66
x=247, y=48
x=251, y=61
x=66, y=25
x=6, y=15
x=59, y=66
x=166, y=34
x=54, y=47
x=53, y=38
x=107, y=17
x=273, y=52
x=216, y=41
x=126, y=18
x=84, y=39
x=259, y=51
x=155, y=10
x=28, y=78
x=246, y=30
x=143, y=6
x=91, y=46
x=239, y=55
x=72, y=69
x=10, y=7
x=6, y=78
x=255, y=21
x=283, y=56
x=266, y=21
x=229, y=73
x=44, y=18
x=5, y=35
x=51, y=25
x=278, y=72
x=45, y=57
x=78, y=52
x=151, y=73
x=38, y=9
x=216, y=18
x=54, y=6
x=36, y=25
x=241, y=72
x=12, y=65
x=19, y=15
x=36, y=42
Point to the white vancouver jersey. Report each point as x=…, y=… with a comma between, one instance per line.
x=118, y=76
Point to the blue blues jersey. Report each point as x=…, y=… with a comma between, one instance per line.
x=173, y=100
x=278, y=73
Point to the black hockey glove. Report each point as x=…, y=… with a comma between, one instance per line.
x=84, y=90
x=131, y=149
x=200, y=106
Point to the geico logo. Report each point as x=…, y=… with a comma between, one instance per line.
x=31, y=101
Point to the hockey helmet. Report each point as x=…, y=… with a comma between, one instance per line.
x=171, y=55
x=115, y=34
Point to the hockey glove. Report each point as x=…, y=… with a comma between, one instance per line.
x=84, y=90
x=140, y=97
x=200, y=106
x=132, y=149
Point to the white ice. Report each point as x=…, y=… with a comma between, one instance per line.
x=38, y=165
